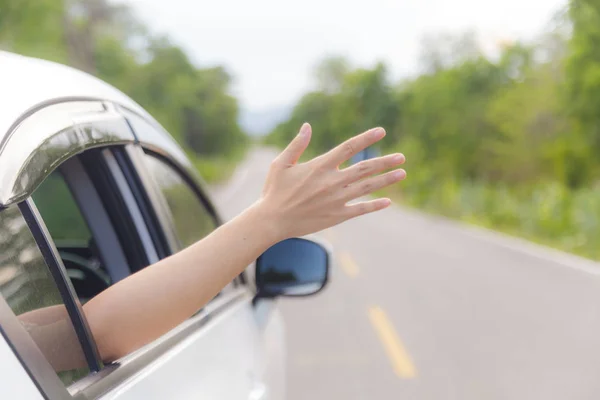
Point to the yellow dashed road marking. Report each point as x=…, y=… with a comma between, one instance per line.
x=348, y=265
x=401, y=362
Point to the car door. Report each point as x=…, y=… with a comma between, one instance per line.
x=235, y=341
x=187, y=215
x=96, y=217
x=216, y=353
x=41, y=315
x=219, y=352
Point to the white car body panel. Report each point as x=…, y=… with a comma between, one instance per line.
x=222, y=361
x=237, y=355
x=272, y=331
x=15, y=381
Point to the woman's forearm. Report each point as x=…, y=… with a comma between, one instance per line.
x=148, y=304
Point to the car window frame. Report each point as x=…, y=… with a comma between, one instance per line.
x=200, y=194
x=154, y=140
x=88, y=200
x=106, y=177
x=58, y=271
x=148, y=196
x=51, y=133
x=194, y=188
x=33, y=360
x=30, y=356
x=100, y=126
x=110, y=376
x=118, y=169
x=35, y=145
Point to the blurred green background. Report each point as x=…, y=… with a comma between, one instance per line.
x=507, y=142
x=105, y=39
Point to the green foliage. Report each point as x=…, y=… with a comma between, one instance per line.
x=61, y=215
x=508, y=143
x=583, y=68
x=547, y=213
x=23, y=22
x=105, y=39
x=183, y=203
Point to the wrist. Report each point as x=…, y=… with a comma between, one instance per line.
x=266, y=221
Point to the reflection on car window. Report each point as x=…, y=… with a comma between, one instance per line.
x=29, y=289
x=72, y=237
x=61, y=214
x=191, y=219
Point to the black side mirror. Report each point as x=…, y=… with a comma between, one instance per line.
x=293, y=267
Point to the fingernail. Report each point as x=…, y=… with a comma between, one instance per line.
x=398, y=158
x=378, y=133
x=399, y=174
x=304, y=129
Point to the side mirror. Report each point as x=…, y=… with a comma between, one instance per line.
x=293, y=267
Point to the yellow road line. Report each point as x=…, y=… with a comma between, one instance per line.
x=401, y=362
x=348, y=265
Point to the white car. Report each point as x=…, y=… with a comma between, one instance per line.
x=93, y=189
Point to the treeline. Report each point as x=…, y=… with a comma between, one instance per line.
x=106, y=40
x=508, y=140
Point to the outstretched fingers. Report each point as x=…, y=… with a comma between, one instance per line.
x=296, y=148
x=353, y=146
x=373, y=184
x=374, y=166
x=366, y=207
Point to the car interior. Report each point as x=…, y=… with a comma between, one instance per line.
x=86, y=272
x=70, y=231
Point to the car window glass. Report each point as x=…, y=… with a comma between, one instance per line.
x=192, y=221
x=72, y=236
x=26, y=284
x=61, y=214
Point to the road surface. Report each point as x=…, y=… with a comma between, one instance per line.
x=422, y=308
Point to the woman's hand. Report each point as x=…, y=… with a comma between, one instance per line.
x=309, y=197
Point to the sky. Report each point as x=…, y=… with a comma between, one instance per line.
x=272, y=46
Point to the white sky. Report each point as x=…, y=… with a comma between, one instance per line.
x=271, y=46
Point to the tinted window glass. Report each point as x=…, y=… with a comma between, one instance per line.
x=29, y=289
x=72, y=236
x=191, y=219
x=61, y=214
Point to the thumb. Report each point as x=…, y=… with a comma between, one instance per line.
x=294, y=150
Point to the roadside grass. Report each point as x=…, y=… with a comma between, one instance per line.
x=547, y=213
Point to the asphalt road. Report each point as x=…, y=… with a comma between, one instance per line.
x=422, y=308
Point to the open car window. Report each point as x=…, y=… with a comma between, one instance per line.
x=72, y=237
x=191, y=220
x=29, y=289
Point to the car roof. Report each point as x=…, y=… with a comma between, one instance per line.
x=27, y=83
x=37, y=101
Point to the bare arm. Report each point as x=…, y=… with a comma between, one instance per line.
x=298, y=199
x=146, y=305
x=52, y=331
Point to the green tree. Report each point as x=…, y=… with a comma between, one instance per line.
x=583, y=69
x=105, y=39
